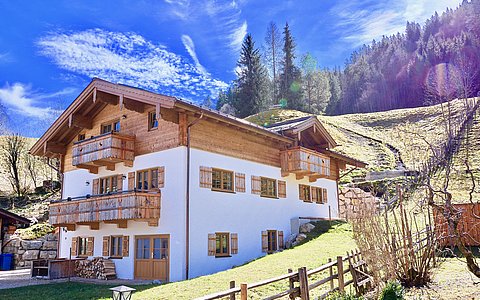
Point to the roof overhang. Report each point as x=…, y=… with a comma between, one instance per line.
x=346, y=159
x=6, y=215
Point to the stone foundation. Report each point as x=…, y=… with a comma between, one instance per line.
x=24, y=251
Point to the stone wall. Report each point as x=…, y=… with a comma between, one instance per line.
x=353, y=202
x=27, y=250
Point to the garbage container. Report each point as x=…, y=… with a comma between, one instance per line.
x=7, y=261
x=1, y=261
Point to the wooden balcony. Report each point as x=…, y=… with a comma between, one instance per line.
x=116, y=208
x=104, y=150
x=305, y=162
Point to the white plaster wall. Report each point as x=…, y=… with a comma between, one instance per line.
x=172, y=212
x=244, y=213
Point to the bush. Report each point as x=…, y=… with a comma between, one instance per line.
x=392, y=291
x=35, y=231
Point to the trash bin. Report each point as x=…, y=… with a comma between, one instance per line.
x=7, y=261
x=1, y=261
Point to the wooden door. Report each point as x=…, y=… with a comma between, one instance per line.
x=152, y=257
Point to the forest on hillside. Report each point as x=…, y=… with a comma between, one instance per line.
x=427, y=64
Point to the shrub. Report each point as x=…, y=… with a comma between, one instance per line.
x=35, y=231
x=392, y=291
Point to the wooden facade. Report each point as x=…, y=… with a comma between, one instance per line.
x=115, y=208
x=468, y=226
x=305, y=162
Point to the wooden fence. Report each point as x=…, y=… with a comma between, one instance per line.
x=300, y=282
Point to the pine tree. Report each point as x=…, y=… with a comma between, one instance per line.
x=250, y=88
x=273, y=45
x=290, y=78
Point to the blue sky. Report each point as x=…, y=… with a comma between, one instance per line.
x=50, y=50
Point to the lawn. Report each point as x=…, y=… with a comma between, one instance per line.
x=337, y=241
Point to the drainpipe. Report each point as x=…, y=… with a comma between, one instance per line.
x=187, y=196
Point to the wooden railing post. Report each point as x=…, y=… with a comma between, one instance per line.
x=243, y=291
x=290, y=280
x=330, y=271
x=303, y=279
x=232, y=285
x=341, y=280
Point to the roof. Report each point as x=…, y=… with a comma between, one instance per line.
x=7, y=215
x=347, y=159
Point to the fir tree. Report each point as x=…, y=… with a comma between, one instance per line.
x=290, y=78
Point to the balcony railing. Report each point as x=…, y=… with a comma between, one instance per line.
x=304, y=162
x=112, y=208
x=104, y=150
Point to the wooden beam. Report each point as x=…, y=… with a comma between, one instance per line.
x=80, y=122
x=91, y=169
x=109, y=166
x=70, y=227
x=54, y=148
x=94, y=95
x=157, y=111
x=182, y=128
x=152, y=222
x=92, y=225
x=107, y=98
x=134, y=105
x=120, y=102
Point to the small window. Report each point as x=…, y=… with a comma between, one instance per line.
x=81, y=137
x=82, y=246
x=114, y=126
x=304, y=192
x=272, y=241
x=317, y=194
x=152, y=120
x=222, y=244
x=116, y=243
x=108, y=185
x=222, y=180
x=147, y=179
x=268, y=187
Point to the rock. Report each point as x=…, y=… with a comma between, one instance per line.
x=51, y=237
x=299, y=238
x=307, y=227
x=43, y=255
x=21, y=263
x=20, y=251
x=52, y=254
x=32, y=245
x=289, y=242
x=156, y=282
x=49, y=245
x=30, y=254
x=27, y=264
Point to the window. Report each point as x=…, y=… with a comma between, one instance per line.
x=152, y=120
x=116, y=243
x=147, y=179
x=82, y=246
x=222, y=246
x=222, y=180
x=304, y=191
x=268, y=187
x=108, y=185
x=317, y=194
x=113, y=126
x=81, y=137
x=272, y=241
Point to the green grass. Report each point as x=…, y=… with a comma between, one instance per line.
x=336, y=241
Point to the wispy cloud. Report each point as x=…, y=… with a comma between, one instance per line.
x=190, y=46
x=20, y=99
x=361, y=21
x=129, y=58
x=5, y=57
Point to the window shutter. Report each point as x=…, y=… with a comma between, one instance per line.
x=314, y=190
x=264, y=241
x=90, y=246
x=131, y=181
x=106, y=246
x=256, y=185
x=282, y=189
x=240, y=182
x=161, y=177
x=74, y=249
x=125, y=245
x=119, y=182
x=95, y=185
x=212, y=244
x=325, y=195
x=280, y=240
x=206, y=177
x=301, y=192
x=233, y=243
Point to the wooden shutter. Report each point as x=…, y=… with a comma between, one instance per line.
x=106, y=246
x=125, y=245
x=264, y=241
x=206, y=177
x=233, y=243
x=119, y=182
x=131, y=181
x=301, y=192
x=280, y=240
x=74, y=249
x=282, y=189
x=240, y=182
x=161, y=177
x=325, y=195
x=212, y=244
x=90, y=246
x=314, y=190
x=256, y=185
x=95, y=185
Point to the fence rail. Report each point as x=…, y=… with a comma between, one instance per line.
x=300, y=282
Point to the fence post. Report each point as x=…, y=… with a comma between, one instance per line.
x=341, y=281
x=243, y=291
x=232, y=285
x=290, y=280
x=303, y=278
x=331, y=274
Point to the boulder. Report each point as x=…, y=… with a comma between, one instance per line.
x=51, y=237
x=20, y=251
x=48, y=254
x=289, y=242
x=30, y=254
x=49, y=245
x=299, y=238
x=52, y=254
x=307, y=227
x=32, y=245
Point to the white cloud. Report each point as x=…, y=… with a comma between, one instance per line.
x=238, y=35
x=361, y=21
x=130, y=59
x=5, y=57
x=19, y=99
x=190, y=46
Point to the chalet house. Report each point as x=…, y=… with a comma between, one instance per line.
x=170, y=190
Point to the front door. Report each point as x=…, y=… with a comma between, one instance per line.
x=152, y=257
